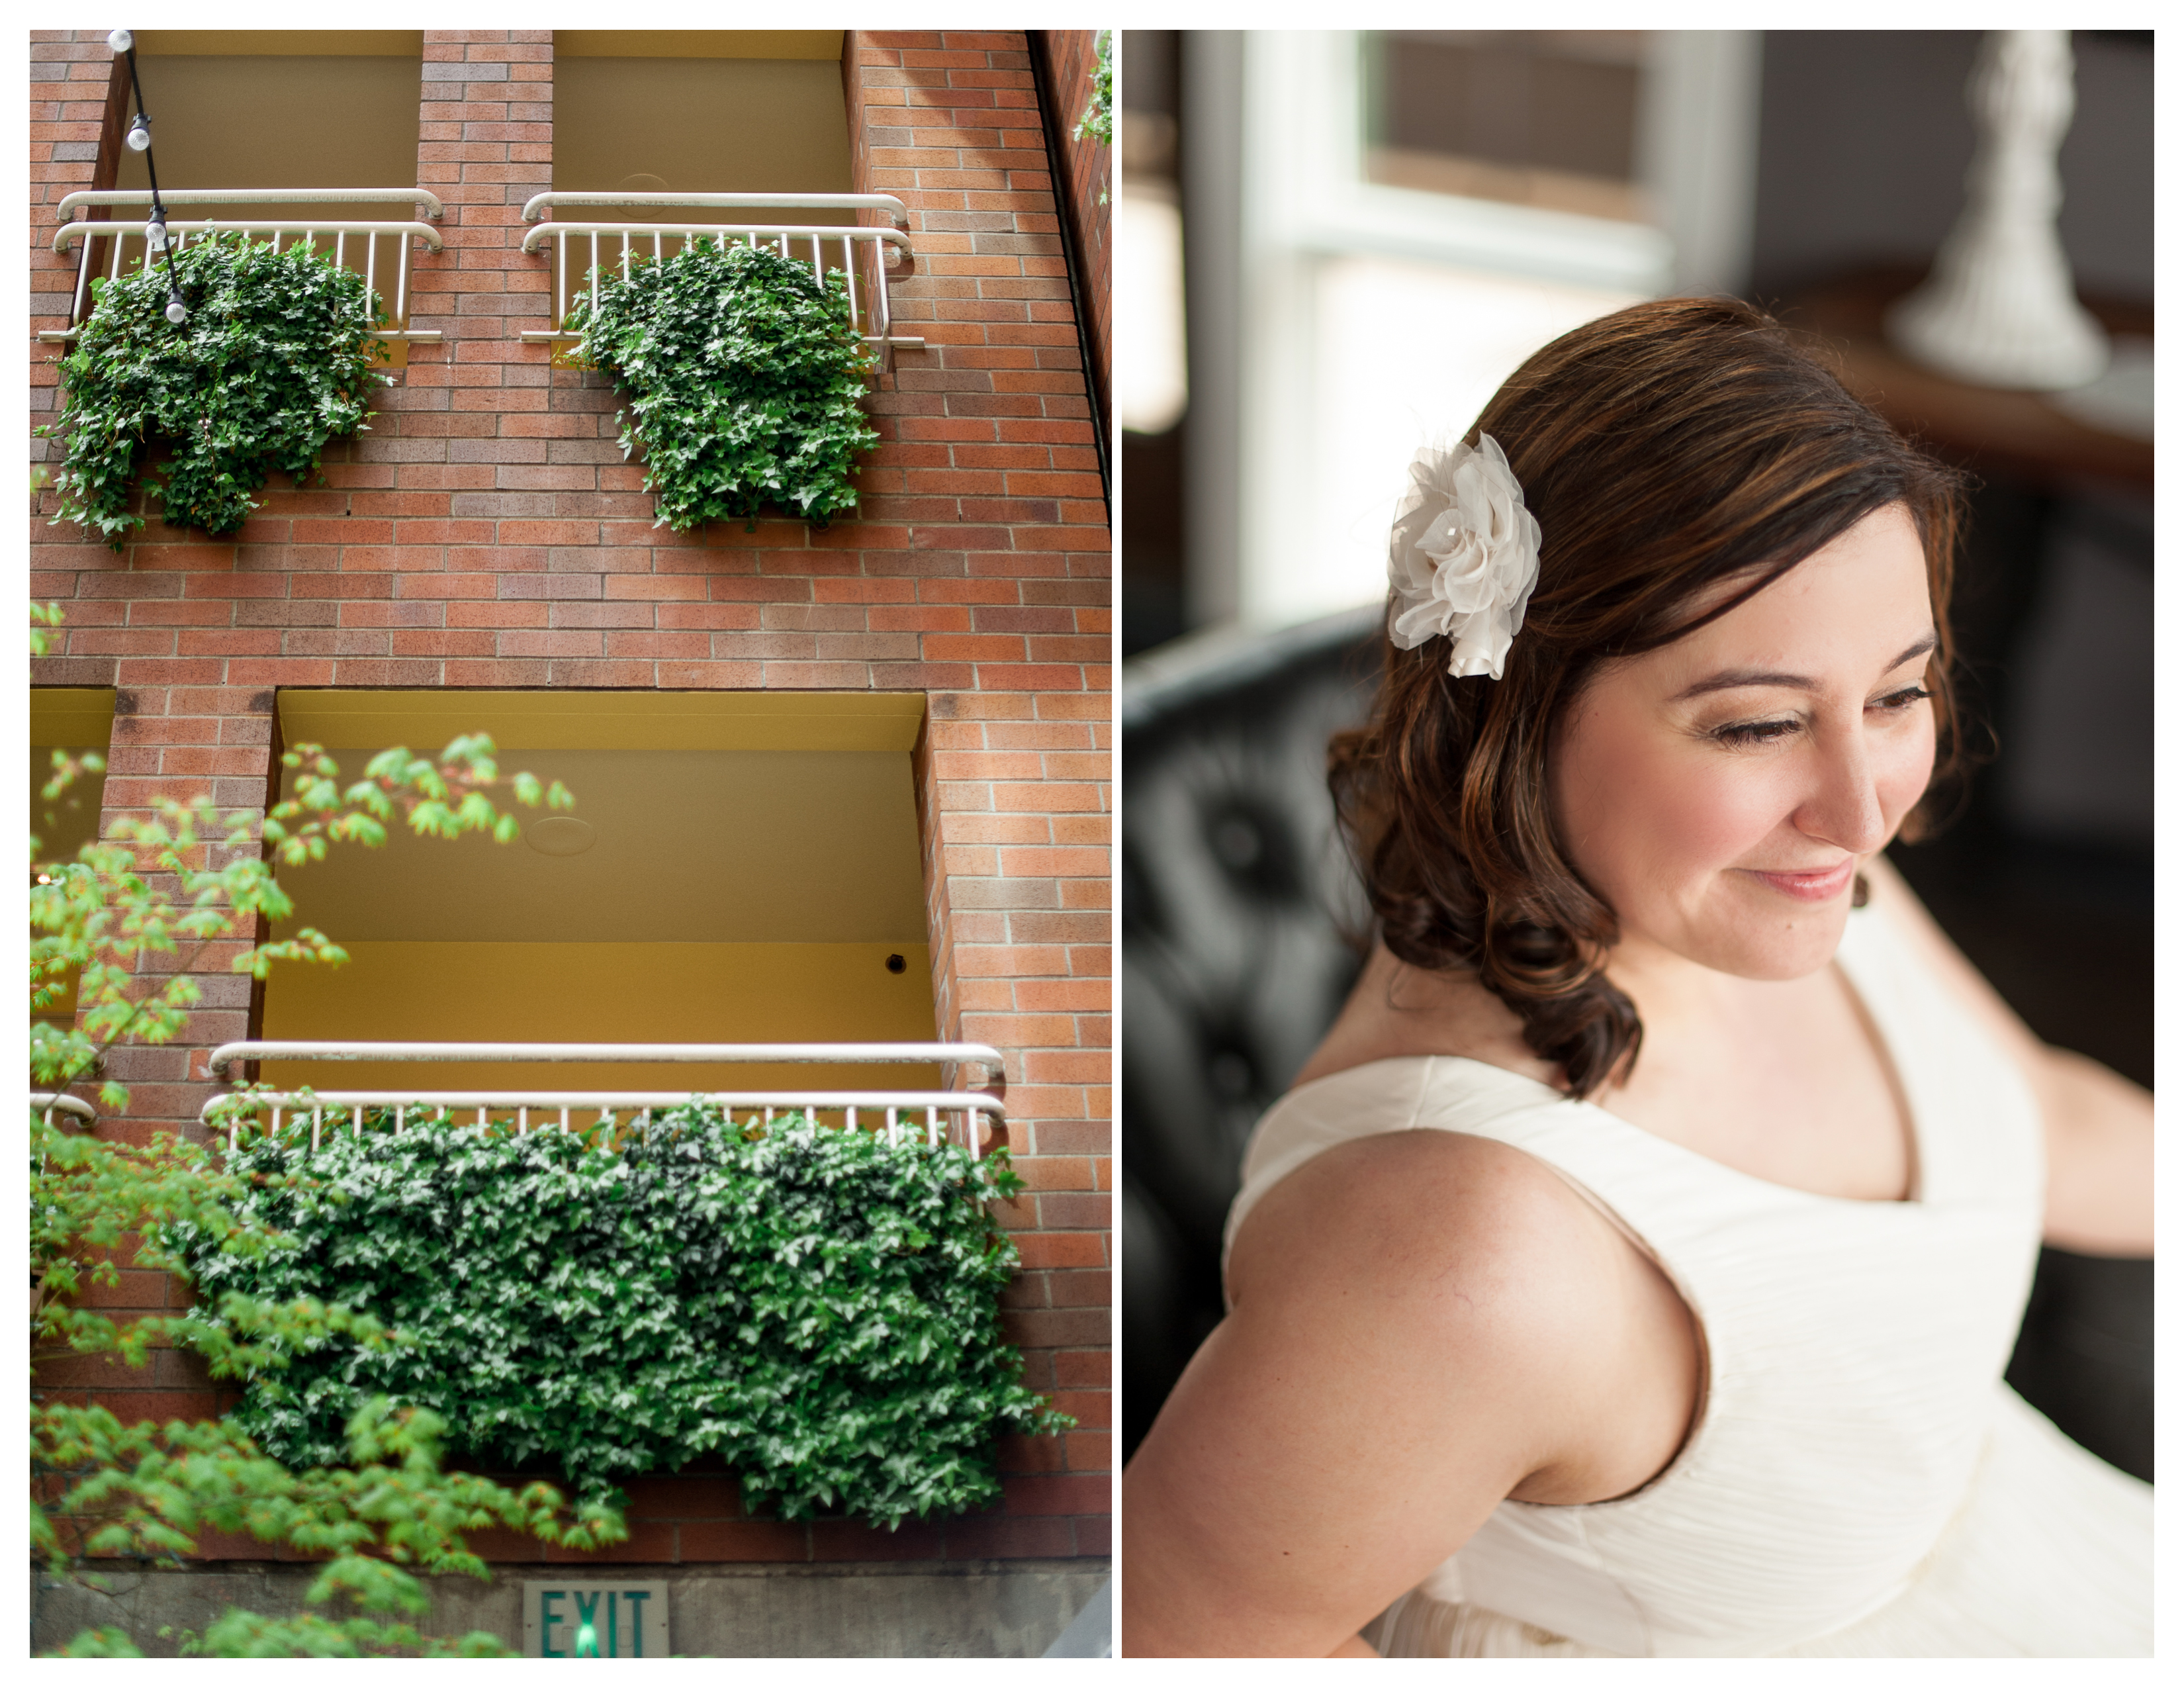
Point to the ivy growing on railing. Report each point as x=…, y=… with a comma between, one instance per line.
x=818, y=1307
x=276, y=359
x=744, y=377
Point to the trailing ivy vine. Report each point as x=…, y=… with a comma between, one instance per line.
x=743, y=378
x=816, y=1306
x=276, y=359
x=1097, y=121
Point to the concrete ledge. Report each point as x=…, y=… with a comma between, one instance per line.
x=979, y=1608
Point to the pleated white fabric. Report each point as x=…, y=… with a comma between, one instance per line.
x=1859, y=1481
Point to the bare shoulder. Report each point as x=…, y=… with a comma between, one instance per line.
x=1413, y=1215
x=1474, y=1256
x=1424, y=1325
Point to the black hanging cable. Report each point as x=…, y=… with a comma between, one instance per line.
x=126, y=43
x=1054, y=122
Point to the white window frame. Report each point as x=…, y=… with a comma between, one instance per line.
x=1305, y=199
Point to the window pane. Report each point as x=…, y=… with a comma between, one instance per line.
x=1547, y=118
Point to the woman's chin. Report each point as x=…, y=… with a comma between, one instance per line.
x=1794, y=946
x=1779, y=941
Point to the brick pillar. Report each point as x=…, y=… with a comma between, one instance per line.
x=988, y=452
x=79, y=91
x=182, y=725
x=1069, y=59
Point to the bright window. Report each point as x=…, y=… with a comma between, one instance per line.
x=1420, y=214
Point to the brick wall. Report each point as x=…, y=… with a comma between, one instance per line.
x=486, y=533
x=78, y=95
x=1068, y=58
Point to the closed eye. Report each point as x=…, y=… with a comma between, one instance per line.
x=1896, y=701
x=1747, y=732
x=1754, y=732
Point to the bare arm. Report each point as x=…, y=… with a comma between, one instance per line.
x=1423, y=1324
x=2100, y=1126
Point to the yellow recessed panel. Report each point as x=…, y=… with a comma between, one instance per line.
x=698, y=44
x=671, y=846
x=605, y=992
x=282, y=43
x=71, y=717
x=605, y=720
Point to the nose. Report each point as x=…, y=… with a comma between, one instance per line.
x=1843, y=805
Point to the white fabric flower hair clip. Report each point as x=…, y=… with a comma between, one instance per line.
x=1463, y=558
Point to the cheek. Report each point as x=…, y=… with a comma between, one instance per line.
x=1714, y=810
x=1641, y=813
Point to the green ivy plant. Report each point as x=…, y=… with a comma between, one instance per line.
x=1097, y=121
x=381, y=1511
x=278, y=358
x=144, y=1491
x=743, y=380
x=817, y=1306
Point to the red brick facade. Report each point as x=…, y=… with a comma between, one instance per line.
x=1068, y=59
x=486, y=533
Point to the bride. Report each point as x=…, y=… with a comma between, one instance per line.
x=1632, y=1269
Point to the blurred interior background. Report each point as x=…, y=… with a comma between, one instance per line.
x=1335, y=246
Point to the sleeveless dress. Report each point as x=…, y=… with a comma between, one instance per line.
x=1859, y=1481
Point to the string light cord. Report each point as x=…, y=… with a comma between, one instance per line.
x=126, y=44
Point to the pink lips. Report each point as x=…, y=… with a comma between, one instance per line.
x=1821, y=886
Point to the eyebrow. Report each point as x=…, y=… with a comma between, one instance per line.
x=1731, y=679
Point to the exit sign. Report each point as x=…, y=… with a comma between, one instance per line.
x=594, y=1620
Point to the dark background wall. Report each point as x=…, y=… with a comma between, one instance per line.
x=1865, y=137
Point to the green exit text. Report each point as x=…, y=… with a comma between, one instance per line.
x=596, y=1620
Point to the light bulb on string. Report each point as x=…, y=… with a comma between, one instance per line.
x=140, y=134
x=155, y=236
x=177, y=312
x=121, y=41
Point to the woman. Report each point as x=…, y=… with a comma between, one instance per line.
x=1632, y=1269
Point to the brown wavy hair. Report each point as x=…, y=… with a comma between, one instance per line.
x=1663, y=449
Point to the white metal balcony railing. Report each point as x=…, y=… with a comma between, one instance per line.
x=937, y=1113
x=862, y=251
x=354, y=242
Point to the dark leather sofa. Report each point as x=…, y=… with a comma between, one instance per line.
x=1242, y=932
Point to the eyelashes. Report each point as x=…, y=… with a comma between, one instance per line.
x=1743, y=733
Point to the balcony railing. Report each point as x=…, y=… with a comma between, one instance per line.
x=937, y=1115
x=862, y=252
x=372, y=248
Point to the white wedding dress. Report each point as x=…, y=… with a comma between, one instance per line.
x=1858, y=1480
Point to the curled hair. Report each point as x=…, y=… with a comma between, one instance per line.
x=1663, y=449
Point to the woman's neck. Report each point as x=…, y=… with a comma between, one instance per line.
x=1681, y=1001
x=1395, y=1010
